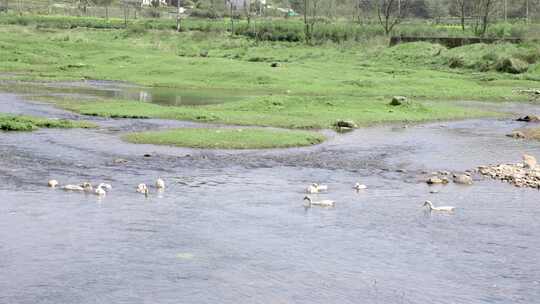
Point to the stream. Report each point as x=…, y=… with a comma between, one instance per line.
x=231, y=226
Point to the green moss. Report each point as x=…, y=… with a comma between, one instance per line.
x=227, y=138
x=28, y=123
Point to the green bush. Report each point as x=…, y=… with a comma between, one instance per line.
x=512, y=65
x=205, y=13
x=456, y=62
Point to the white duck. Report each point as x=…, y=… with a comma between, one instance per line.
x=312, y=189
x=429, y=204
x=142, y=188
x=100, y=191
x=320, y=187
x=160, y=183
x=359, y=187
x=73, y=188
x=87, y=187
x=53, y=183
x=104, y=186
x=323, y=203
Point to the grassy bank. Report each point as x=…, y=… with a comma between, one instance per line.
x=28, y=123
x=299, y=86
x=202, y=60
x=227, y=138
x=281, y=111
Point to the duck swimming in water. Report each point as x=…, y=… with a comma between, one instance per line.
x=106, y=187
x=359, y=187
x=142, y=188
x=322, y=203
x=320, y=187
x=100, y=191
x=160, y=184
x=430, y=206
x=53, y=183
x=87, y=187
x=311, y=189
x=73, y=188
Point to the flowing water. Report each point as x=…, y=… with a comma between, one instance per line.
x=231, y=226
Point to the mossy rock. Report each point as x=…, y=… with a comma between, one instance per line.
x=512, y=65
x=345, y=124
x=398, y=100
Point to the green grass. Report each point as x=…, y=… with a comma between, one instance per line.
x=28, y=123
x=312, y=88
x=282, y=111
x=164, y=58
x=227, y=138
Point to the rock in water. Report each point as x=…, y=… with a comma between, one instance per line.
x=462, y=179
x=516, y=134
x=529, y=118
x=436, y=180
x=398, y=100
x=529, y=161
x=345, y=124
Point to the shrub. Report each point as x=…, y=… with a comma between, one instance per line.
x=135, y=30
x=512, y=65
x=205, y=13
x=456, y=62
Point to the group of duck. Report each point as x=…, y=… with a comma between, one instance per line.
x=316, y=188
x=102, y=189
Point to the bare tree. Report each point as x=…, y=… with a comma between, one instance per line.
x=178, y=16
x=247, y=11
x=390, y=13
x=310, y=18
x=462, y=4
x=483, y=10
x=83, y=5
x=232, y=17
x=105, y=4
x=527, y=11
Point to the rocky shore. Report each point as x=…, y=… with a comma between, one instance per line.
x=523, y=174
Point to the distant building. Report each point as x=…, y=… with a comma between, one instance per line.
x=240, y=4
x=149, y=2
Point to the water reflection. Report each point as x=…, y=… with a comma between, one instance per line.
x=120, y=91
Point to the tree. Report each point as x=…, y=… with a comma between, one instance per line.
x=437, y=9
x=178, y=16
x=482, y=12
x=422, y=9
x=390, y=13
x=247, y=11
x=83, y=5
x=462, y=4
x=310, y=10
x=106, y=4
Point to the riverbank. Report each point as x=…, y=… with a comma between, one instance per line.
x=31, y=123
x=290, y=85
